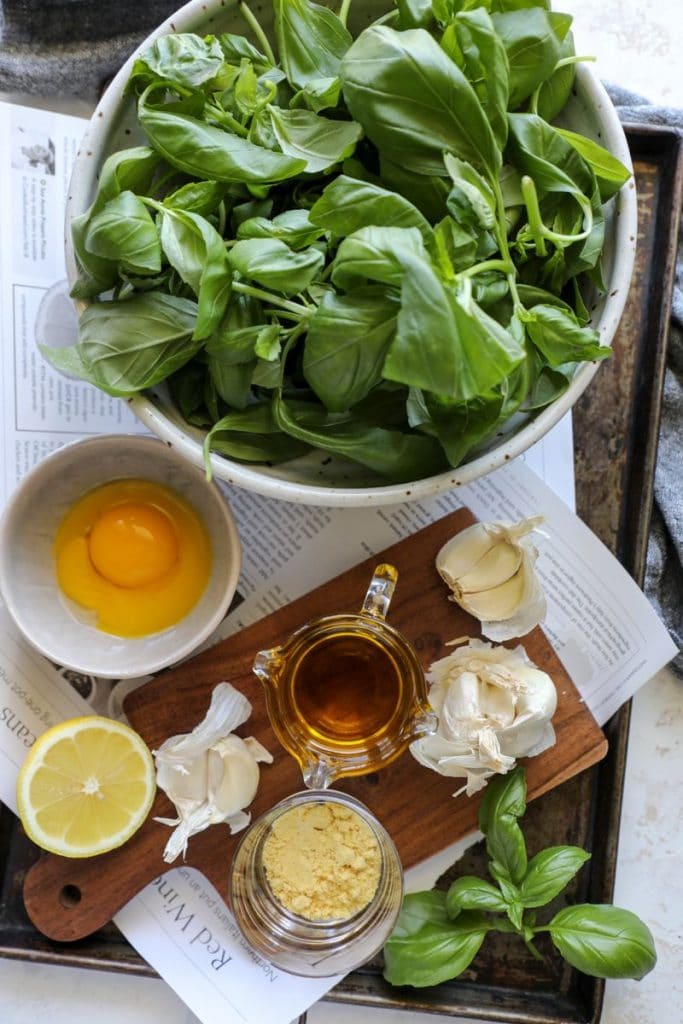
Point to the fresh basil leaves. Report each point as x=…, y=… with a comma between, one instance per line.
x=438, y=934
x=377, y=246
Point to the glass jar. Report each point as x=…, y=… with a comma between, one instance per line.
x=312, y=948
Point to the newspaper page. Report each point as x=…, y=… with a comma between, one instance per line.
x=41, y=409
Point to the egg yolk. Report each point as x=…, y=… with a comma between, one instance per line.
x=132, y=544
x=134, y=555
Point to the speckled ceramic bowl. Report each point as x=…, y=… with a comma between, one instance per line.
x=28, y=578
x=316, y=478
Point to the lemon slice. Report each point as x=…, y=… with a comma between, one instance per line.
x=86, y=786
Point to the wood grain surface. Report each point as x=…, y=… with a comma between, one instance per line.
x=69, y=899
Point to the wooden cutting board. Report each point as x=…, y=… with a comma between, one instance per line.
x=69, y=899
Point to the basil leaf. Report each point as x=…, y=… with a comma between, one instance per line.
x=273, y=264
x=542, y=152
x=560, y=339
x=473, y=43
x=68, y=360
x=204, y=151
x=311, y=40
x=516, y=5
x=478, y=195
x=318, y=94
x=549, y=872
x=376, y=254
x=604, y=941
x=184, y=59
x=235, y=48
x=251, y=435
x=196, y=250
x=610, y=173
x=459, y=426
x=532, y=48
x=232, y=382
x=346, y=205
x=415, y=13
x=428, y=194
x=347, y=340
x=319, y=141
x=250, y=93
x=396, y=455
x=128, y=170
x=124, y=232
x=252, y=208
x=268, y=343
x=294, y=227
x=548, y=386
x=423, y=952
x=504, y=801
x=554, y=93
x=201, y=197
x=444, y=342
x=459, y=245
x=131, y=345
x=470, y=893
x=234, y=339
x=415, y=103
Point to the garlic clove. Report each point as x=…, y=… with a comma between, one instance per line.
x=461, y=553
x=490, y=569
x=531, y=732
x=210, y=774
x=531, y=612
x=499, y=603
x=235, y=787
x=228, y=709
x=500, y=563
x=185, y=781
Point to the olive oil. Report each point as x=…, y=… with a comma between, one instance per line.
x=346, y=694
x=347, y=689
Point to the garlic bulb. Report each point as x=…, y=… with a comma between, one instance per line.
x=490, y=569
x=493, y=706
x=210, y=774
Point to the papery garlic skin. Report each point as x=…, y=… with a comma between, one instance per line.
x=490, y=568
x=210, y=774
x=494, y=705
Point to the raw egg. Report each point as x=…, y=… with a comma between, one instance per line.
x=135, y=555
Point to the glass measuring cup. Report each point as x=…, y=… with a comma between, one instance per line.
x=346, y=694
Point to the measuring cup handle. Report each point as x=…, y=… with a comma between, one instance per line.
x=380, y=592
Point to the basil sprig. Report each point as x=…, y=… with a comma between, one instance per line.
x=375, y=246
x=438, y=934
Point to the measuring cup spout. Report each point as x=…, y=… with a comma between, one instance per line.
x=267, y=664
x=380, y=591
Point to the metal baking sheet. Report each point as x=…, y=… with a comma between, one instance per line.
x=616, y=425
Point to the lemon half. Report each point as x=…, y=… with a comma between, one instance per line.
x=86, y=786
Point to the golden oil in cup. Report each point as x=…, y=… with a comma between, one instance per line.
x=346, y=694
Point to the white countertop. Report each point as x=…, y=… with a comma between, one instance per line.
x=639, y=44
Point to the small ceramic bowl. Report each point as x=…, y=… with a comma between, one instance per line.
x=27, y=567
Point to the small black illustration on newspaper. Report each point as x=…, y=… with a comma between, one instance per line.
x=32, y=151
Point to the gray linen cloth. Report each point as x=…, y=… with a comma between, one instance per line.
x=664, y=573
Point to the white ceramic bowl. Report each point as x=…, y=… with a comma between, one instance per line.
x=316, y=478
x=27, y=570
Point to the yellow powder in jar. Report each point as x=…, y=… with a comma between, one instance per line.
x=322, y=861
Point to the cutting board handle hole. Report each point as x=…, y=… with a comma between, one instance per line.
x=70, y=896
